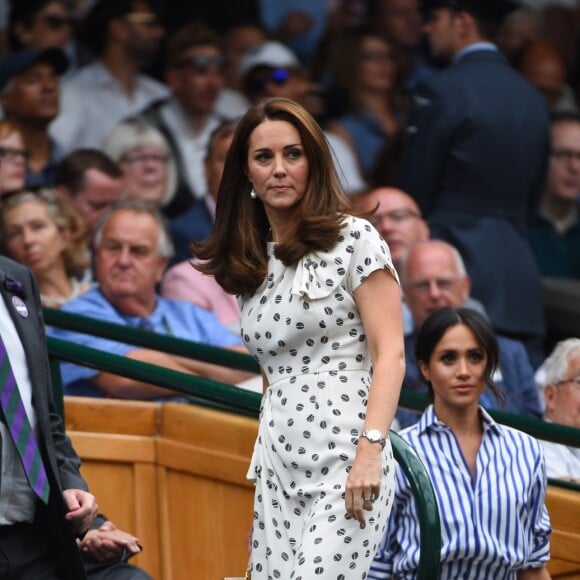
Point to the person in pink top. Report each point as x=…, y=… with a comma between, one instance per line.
x=183, y=281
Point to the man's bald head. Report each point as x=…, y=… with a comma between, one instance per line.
x=397, y=218
x=433, y=277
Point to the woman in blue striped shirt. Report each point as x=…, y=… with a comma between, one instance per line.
x=489, y=479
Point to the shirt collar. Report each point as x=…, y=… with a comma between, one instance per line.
x=428, y=421
x=476, y=46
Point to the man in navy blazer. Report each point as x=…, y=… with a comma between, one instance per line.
x=433, y=277
x=474, y=158
x=37, y=540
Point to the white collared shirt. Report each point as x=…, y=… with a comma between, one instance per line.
x=17, y=500
x=93, y=102
x=562, y=461
x=192, y=146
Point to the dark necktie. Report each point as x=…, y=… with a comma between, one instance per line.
x=20, y=428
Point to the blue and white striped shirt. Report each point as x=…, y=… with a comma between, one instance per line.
x=491, y=526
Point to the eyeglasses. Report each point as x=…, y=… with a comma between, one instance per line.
x=566, y=155
x=443, y=285
x=277, y=76
x=135, y=158
x=146, y=18
x=56, y=22
x=11, y=154
x=574, y=380
x=396, y=215
x=202, y=64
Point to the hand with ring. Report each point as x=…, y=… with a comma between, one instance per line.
x=368, y=501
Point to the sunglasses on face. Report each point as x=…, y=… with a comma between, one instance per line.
x=202, y=64
x=277, y=76
x=55, y=22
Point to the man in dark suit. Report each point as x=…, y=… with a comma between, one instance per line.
x=433, y=277
x=37, y=530
x=474, y=158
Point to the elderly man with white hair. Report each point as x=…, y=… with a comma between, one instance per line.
x=561, y=390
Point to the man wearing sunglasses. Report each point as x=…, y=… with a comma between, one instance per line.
x=40, y=24
x=195, y=71
x=125, y=36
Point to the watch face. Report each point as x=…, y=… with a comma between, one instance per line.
x=374, y=435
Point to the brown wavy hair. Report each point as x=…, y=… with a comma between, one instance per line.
x=235, y=252
x=60, y=210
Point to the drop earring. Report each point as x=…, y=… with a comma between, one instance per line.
x=253, y=194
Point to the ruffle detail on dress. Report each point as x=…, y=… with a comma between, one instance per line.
x=314, y=279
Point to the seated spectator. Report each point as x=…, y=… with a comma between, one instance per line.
x=518, y=30
x=149, y=171
x=545, y=68
x=434, y=277
x=489, y=479
x=40, y=24
x=401, y=21
x=131, y=251
x=125, y=36
x=397, y=218
x=555, y=234
x=42, y=231
x=561, y=393
x=194, y=70
x=105, y=550
x=13, y=157
x=93, y=182
x=197, y=222
x=232, y=103
x=368, y=76
x=29, y=96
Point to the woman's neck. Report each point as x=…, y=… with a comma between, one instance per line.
x=54, y=284
x=462, y=421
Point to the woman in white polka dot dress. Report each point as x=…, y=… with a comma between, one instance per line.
x=320, y=306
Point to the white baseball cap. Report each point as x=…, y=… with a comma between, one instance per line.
x=273, y=54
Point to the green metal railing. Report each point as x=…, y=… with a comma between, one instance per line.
x=204, y=352
x=221, y=396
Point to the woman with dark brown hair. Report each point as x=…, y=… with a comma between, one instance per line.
x=321, y=312
x=369, y=77
x=489, y=479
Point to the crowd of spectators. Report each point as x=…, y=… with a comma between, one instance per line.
x=117, y=116
x=111, y=98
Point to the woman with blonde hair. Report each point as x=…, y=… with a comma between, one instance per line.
x=149, y=171
x=41, y=230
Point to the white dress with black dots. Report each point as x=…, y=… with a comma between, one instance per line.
x=303, y=327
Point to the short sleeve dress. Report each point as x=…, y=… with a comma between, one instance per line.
x=303, y=327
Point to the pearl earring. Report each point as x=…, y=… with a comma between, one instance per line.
x=253, y=194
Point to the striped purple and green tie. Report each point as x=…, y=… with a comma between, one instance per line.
x=20, y=428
